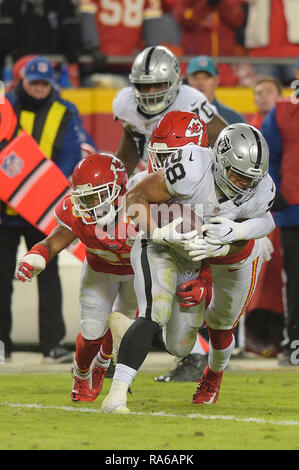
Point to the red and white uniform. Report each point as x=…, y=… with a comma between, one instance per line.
x=107, y=276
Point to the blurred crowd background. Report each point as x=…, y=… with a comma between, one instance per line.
x=93, y=42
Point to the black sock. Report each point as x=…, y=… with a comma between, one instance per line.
x=136, y=343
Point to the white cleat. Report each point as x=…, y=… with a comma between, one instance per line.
x=118, y=324
x=114, y=406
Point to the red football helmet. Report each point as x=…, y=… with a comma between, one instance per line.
x=175, y=129
x=98, y=180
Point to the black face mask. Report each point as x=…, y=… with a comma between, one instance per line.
x=30, y=103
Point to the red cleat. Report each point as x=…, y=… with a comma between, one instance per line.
x=208, y=388
x=98, y=375
x=81, y=390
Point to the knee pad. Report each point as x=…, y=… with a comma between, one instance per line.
x=93, y=329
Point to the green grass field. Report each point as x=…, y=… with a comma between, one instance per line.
x=255, y=410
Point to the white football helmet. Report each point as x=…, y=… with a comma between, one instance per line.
x=243, y=149
x=155, y=65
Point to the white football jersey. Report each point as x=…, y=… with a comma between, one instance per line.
x=189, y=178
x=141, y=127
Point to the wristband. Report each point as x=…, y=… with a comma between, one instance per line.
x=41, y=250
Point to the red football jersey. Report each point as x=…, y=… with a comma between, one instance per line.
x=119, y=24
x=105, y=252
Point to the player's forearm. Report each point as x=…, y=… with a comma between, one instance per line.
x=151, y=190
x=128, y=153
x=139, y=211
x=57, y=241
x=258, y=227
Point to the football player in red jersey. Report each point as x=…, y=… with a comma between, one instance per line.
x=92, y=213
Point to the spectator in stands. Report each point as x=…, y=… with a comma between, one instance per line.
x=163, y=28
x=203, y=75
x=272, y=31
x=127, y=28
x=267, y=91
x=43, y=27
x=53, y=123
x=209, y=27
x=280, y=128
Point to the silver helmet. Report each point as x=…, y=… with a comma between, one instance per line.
x=243, y=149
x=155, y=65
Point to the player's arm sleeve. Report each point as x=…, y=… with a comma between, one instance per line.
x=260, y=221
x=258, y=227
x=62, y=215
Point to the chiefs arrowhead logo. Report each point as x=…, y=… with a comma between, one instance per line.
x=117, y=165
x=195, y=128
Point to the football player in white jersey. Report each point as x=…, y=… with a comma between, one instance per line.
x=232, y=187
x=155, y=89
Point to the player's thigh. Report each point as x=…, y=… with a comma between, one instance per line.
x=126, y=300
x=233, y=287
x=180, y=332
x=154, y=280
x=97, y=293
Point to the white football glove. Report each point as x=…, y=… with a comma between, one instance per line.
x=168, y=235
x=267, y=248
x=221, y=230
x=30, y=266
x=200, y=248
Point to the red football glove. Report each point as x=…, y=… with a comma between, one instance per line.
x=195, y=291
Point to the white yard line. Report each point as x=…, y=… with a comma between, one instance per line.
x=161, y=413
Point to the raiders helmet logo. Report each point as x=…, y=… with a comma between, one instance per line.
x=223, y=145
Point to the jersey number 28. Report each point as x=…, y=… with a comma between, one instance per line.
x=174, y=168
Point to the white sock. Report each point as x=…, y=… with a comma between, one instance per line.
x=218, y=359
x=81, y=375
x=102, y=359
x=124, y=374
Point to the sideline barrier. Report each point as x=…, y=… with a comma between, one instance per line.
x=95, y=108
